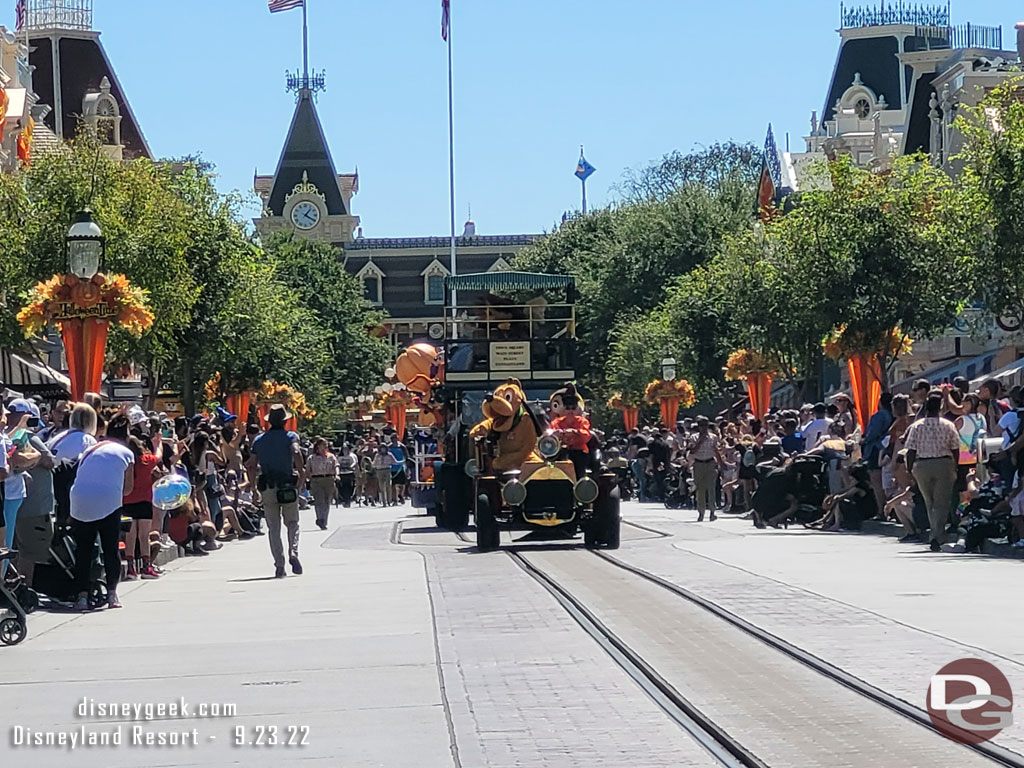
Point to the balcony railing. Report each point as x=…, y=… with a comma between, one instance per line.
x=915, y=14
x=59, y=14
x=962, y=36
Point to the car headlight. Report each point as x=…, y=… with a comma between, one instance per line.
x=549, y=446
x=586, y=491
x=472, y=468
x=513, y=493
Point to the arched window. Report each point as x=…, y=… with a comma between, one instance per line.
x=372, y=279
x=433, y=282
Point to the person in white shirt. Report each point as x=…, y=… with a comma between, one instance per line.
x=105, y=476
x=1009, y=422
x=68, y=445
x=818, y=428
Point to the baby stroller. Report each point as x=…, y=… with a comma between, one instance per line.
x=982, y=521
x=56, y=578
x=14, y=623
x=811, y=485
x=678, y=490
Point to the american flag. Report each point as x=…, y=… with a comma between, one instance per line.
x=276, y=6
x=446, y=18
x=20, y=11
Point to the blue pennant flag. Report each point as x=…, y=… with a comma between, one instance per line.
x=583, y=168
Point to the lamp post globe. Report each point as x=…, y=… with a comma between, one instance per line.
x=668, y=368
x=86, y=246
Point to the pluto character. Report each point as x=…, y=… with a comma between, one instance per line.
x=511, y=425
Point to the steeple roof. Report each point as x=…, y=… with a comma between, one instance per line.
x=306, y=151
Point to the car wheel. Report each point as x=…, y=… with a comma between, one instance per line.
x=488, y=537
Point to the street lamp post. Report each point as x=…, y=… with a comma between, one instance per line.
x=668, y=368
x=86, y=246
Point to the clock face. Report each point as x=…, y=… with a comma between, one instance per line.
x=305, y=215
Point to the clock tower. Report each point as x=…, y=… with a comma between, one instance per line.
x=306, y=194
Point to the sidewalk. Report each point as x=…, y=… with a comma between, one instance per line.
x=346, y=650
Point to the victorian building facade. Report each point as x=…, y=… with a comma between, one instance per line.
x=901, y=74
x=403, y=276
x=55, y=80
x=73, y=76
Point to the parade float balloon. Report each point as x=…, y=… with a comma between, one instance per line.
x=171, y=492
x=415, y=361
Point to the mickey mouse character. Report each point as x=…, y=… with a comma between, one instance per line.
x=572, y=426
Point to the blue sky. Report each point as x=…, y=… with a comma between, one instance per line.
x=533, y=80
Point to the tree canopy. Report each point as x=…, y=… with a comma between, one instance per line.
x=624, y=256
x=221, y=302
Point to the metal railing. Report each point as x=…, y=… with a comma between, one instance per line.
x=916, y=14
x=962, y=36
x=59, y=14
x=518, y=322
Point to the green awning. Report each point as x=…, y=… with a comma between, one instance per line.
x=508, y=281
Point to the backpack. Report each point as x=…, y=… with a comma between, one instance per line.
x=64, y=475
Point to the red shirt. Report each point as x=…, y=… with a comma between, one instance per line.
x=143, y=488
x=576, y=433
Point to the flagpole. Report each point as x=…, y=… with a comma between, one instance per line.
x=584, y=182
x=305, y=47
x=451, y=166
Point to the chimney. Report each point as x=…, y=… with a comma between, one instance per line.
x=1020, y=41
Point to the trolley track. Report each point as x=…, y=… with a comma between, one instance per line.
x=691, y=716
x=723, y=747
x=1000, y=755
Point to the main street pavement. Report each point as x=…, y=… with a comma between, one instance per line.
x=402, y=646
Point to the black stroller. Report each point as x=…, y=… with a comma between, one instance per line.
x=678, y=490
x=14, y=623
x=56, y=578
x=986, y=518
x=811, y=486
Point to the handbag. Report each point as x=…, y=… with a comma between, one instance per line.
x=287, y=495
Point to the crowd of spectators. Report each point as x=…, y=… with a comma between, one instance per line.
x=79, y=478
x=926, y=460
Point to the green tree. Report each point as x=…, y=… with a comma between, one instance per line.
x=721, y=163
x=992, y=162
x=141, y=216
x=315, y=272
x=624, y=258
x=872, y=252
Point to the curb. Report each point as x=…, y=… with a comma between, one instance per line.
x=989, y=547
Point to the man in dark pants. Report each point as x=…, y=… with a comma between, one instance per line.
x=660, y=458
x=279, y=459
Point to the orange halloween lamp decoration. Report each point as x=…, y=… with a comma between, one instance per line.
x=670, y=395
x=84, y=309
x=864, y=356
x=630, y=411
x=758, y=371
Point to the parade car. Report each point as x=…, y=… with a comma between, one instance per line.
x=500, y=325
x=545, y=494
